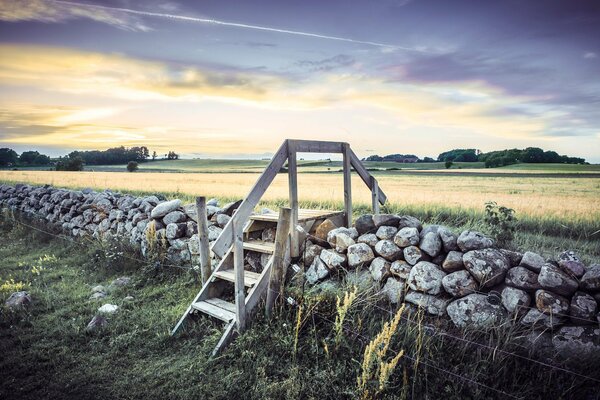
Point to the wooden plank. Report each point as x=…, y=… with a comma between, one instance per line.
x=365, y=176
x=277, y=276
x=202, y=221
x=375, y=195
x=347, y=185
x=250, y=278
x=238, y=268
x=303, y=215
x=259, y=246
x=293, y=189
x=227, y=337
x=316, y=146
x=214, y=311
x=224, y=304
x=225, y=239
x=257, y=225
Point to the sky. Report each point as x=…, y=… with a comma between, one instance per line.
x=216, y=78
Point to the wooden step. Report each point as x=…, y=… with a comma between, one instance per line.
x=260, y=246
x=303, y=215
x=218, y=308
x=250, y=278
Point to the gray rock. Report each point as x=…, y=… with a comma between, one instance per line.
x=230, y=208
x=400, y=269
x=532, y=261
x=459, y=283
x=386, y=232
x=408, y=221
x=578, y=342
x=431, y=244
x=570, y=262
x=380, y=269
x=553, y=278
x=488, y=266
x=516, y=301
x=476, y=311
x=535, y=318
x=268, y=235
x=591, y=279
x=368, y=238
x=120, y=282
x=108, y=309
x=583, y=309
x=98, y=289
x=394, y=290
x=405, y=237
x=317, y=271
x=222, y=220
x=174, y=217
x=96, y=324
x=388, y=250
x=359, y=254
x=164, y=208
x=332, y=234
x=473, y=240
x=342, y=242
x=213, y=202
x=311, y=252
x=412, y=255
x=551, y=303
x=514, y=257
x=18, y=301
x=522, y=278
x=214, y=232
x=97, y=295
x=426, y=277
x=432, y=304
x=174, y=231
x=449, y=239
x=453, y=261
x=385, y=219
x=364, y=224
x=332, y=259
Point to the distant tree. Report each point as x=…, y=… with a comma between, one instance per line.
x=8, y=157
x=428, y=159
x=172, y=156
x=154, y=155
x=464, y=155
x=70, y=163
x=448, y=164
x=132, y=166
x=33, y=158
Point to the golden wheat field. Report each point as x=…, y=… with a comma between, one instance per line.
x=560, y=198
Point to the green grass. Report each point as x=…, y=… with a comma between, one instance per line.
x=46, y=352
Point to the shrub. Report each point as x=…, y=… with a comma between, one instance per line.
x=501, y=222
x=132, y=166
x=448, y=164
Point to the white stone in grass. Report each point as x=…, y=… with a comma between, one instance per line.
x=108, y=309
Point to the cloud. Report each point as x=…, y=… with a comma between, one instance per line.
x=590, y=55
x=327, y=64
x=54, y=12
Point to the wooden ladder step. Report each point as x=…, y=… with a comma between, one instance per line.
x=215, y=307
x=250, y=278
x=260, y=246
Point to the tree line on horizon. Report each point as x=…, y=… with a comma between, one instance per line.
x=491, y=159
x=76, y=160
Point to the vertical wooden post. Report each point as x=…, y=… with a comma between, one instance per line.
x=347, y=184
x=205, y=268
x=238, y=270
x=375, y=195
x=276, y=279
x=293, y=186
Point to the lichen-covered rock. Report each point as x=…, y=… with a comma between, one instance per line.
x=591, y=279
x=380, y=269
x=175, y=231
x=453, y=261
x=268, y=235
x=317, y=271
x=553, y=278
x=222, y=220
x=432, y=304
x=514, y=257
x=385, y=219
x=393, y=289
x=108, y=309
x=408, y=221
x=522, y=278
x=412, y=255
x=578, y=342
x=342, y=242
x=536, y=318
x=583, y=309
x=388, y=250
x=473, y=240
x=97, y=323
x=405, y=237
x=18, y=301
x=449, y=239
x=174, y=217
x=515, y=300
x=551, y=303
x=364, y=224
x=214, y=232
x=570, y=262
x=400, y=269
x=386, y=232
x=311, y=251
x=332, y=235
x=164, y=208
x=431, y=244
x=426, y=277
x=459, y=283
x=477, y=311
x=368, y=238
x=332, y=259
x=359, y=254
x=532, y=261
x=488, y=266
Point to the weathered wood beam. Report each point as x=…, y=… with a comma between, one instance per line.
x=277, y=277
x=238, y=270
x=316, y=146
x=293, y=189
x=366, y=176
x=205, y=268
x=347, y=185
x=375, y=195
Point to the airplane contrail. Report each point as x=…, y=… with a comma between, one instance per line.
x=235, y=25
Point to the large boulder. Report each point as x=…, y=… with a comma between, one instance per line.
x=570, y=262
x=488, y=266
x=364, y=224
x=317, y=271
x=459, y=283
x=516, y=301
x=332, y=259
x=431, y=244
x=385, y=219
x=388, y=250
x=583, y=309
x=532, y=261
x=591, y=279
x=551, y=303
x=432, y=304
x=555, y=279
x=426, y=277
x=324, y=228
x=477, y=311
x=522, y=278
x=359, y=254
x=380, y=269
x=368, y=238
x=473, y=240
x=164, y=208
x=405, y=237
x=453, y=261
